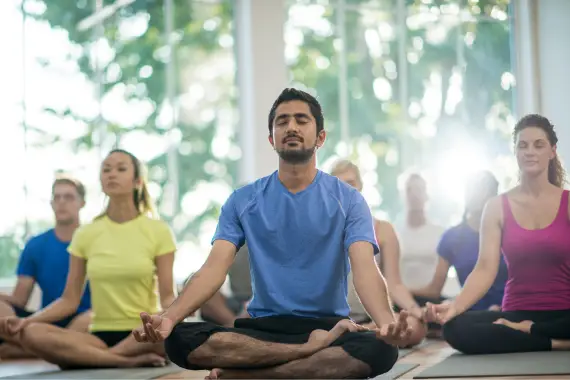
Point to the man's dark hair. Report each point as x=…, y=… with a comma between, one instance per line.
x=290, y=94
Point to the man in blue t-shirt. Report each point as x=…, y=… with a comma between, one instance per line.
x=305, y=230
x=45, y=262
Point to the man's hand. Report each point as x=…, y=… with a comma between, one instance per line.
x=12, y=325
x=440, y=313
x=155, y=328
x=395, y=333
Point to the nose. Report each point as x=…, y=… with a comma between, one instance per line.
x=292, y=126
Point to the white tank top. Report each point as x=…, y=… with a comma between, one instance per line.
x=418, y=253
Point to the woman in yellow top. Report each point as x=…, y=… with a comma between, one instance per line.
x=122, y=253
x=389, y=262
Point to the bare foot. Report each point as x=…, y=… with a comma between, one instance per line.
x=148, y=360
x=216, y=373
x=320, y=339
x=560, y=345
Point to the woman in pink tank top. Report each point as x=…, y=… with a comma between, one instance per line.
x=530, y=226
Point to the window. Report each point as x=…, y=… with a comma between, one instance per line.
x=155, y=78
x=424, y=85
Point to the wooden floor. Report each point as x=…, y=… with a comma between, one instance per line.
x=426, y=357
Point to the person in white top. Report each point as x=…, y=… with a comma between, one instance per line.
x=388, y=260
x=418, y=237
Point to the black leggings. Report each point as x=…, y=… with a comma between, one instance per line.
x=474, y=332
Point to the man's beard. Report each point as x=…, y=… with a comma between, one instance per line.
x=296, y=156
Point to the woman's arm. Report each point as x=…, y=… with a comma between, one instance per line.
x=390, y=253
x=434, y=288
x=68, y=303
x=164, y=272
x=483, y=275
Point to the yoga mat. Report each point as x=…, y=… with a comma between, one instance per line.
x=520, y=364
x=398, y=370
x=104, y=373
x=406, y=351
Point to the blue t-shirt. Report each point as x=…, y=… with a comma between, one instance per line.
x=46, y=260
x=459, y=245
x=298, y=243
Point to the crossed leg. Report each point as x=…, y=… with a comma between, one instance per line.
x=72, y=349
x=11, y=348
x=237, y=353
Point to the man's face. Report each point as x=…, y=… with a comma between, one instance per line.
x=66, y=203
x=295, y=132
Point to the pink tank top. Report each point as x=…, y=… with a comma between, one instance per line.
x=538, y=262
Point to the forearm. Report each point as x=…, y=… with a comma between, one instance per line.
x=166, y=301
x=56, y=311
x=217, y=309
x=402, y=296
x=201, y=287
x=372, y=291
x=476, y=286
x=427, y=292
x=8, y=298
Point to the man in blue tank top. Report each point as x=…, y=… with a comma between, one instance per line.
x=45, y=262
x=305, y=229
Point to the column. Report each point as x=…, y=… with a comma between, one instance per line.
x=262, y=75
x=543, y=79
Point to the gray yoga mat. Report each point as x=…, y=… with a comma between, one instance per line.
x=406, y=351
x=104, y=373
x=398, y=370
x=520, y=364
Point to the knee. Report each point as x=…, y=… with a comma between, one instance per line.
x=173, y=346
x=458, y=335
x=419, y=331
x=378, y=356
x=181, y=344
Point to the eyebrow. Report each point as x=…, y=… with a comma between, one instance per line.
x=118, y=163
x=531, y=141
x=295, y=115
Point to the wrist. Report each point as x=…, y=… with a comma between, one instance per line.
x=383, y=319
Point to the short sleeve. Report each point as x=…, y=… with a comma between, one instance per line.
x=165, y=241
x=229, y=226
x=79, y=242
x=359, y=225
x=27, y=262
x=445, y=246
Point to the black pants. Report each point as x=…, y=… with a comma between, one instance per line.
x=473, y=332
x=364, y=346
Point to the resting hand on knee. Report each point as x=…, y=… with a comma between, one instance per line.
x=155, y=328
x=12, y=325
x=440, y=313
x=396, y=333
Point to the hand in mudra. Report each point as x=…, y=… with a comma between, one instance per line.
x=12, y=325
x=396, y=333
x=440, y=313
x=155, y=328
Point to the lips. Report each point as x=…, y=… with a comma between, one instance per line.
x=292, y=139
